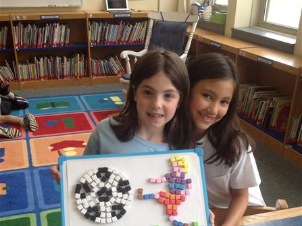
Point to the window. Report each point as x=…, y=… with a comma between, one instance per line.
x=221, y=2
x=281, y=16
x=212, y=2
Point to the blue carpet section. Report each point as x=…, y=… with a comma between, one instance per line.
x=19, y=198
x=104, y=101
x=18, y=113
x=47, y=189
x=32, y=191
x=55, y=105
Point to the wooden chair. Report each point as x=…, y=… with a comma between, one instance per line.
x=251, y=210
x=166, y=30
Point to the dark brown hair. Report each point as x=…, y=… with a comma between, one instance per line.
x=226, y=135
x=178, y=129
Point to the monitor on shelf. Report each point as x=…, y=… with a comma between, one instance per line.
x=117, y=6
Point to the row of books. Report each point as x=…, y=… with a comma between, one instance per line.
x=8, y=72
x=107, y=66
x=102, y=33
x=33, y=36
x=265, y=106
x=3, y=37
x=60, y=67
x=295, y=131
x=53, y=67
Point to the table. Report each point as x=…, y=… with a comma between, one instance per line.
x=291, y=216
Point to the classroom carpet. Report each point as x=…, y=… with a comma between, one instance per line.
x=28, y=194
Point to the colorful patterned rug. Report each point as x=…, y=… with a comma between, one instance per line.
x=28, y=194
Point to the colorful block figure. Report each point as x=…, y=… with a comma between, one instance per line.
x=178, y=188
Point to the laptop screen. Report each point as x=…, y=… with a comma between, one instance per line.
x=116, y=5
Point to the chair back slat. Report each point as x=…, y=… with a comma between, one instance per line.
x=183, y=41
x=173, y=17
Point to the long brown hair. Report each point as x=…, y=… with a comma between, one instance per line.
x=178, y=129
x=226, y=135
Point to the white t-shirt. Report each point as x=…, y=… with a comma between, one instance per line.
x=220, y=178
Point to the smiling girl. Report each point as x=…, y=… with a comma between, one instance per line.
x=231, y=172
x=156, y=112
x=155, y=116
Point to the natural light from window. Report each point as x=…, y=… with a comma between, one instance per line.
x=285, y=13
x=221, y=2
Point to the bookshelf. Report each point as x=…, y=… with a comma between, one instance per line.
x=6, y=47
x=54, y=49
x=265, y=67
x=207, y=41
x=44, y=55
x=100, y=49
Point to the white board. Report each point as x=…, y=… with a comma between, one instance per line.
x=138, y=168
x=40, y=3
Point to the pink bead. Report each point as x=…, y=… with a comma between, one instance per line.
x=152, y=180
x=163, y=179
x=187, y=192
x=171, y=218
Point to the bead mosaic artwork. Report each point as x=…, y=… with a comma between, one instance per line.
x=178, y=188
x=103, y=195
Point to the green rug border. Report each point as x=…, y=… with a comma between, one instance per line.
x=31, y=216
x=43, y=215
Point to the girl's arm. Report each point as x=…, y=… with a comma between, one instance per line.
x=236, y=207
x=55, y=172
x=212, y=218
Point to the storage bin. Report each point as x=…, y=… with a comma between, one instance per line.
x=219, y=18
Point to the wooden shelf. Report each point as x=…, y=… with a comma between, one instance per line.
x=279, y=147
x=14, y=85
x=263, y=66
x=107, y=15
x=282, y=61
x=218, y=41
x=228, y=44
x=47, y=16
x=263, y=137
x=4, y=17
x=78, y=22
x=105, y=80
x=44, y=84
x=199, y=33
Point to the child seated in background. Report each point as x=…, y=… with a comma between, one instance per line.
x=8, y=102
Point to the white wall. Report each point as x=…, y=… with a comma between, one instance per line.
x=90, y=5
x=239, y=15
x=168, y=5
x=298, y=46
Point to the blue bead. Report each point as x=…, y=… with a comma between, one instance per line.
x=175, y=222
